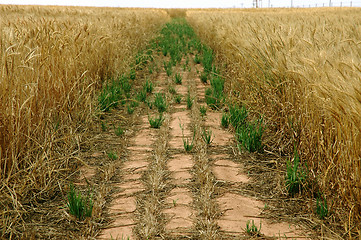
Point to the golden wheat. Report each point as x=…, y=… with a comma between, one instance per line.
x=53, y=59
x=302, y=70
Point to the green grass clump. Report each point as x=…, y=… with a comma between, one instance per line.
x=104, y=126
x=172, y=90
x=132, y=74
x=142, y=96
x=204, y=77
x=178, y=99
x=207, y=59
x=252, y=229
x=197, y=59
x=225, y=120
x=118, y=131
x=188, y=145
x=237, y=116
x=207, y=136
x=214, y=95
x=295, y=177
x=189, y=101
x=203, y=110
x=112, y=155
x=160, y=102
x=178, y=79
x=321, y=207
x=130, y=109
x=148, y=86
x=250, y=135
x=78, y=205
x=168, y=68
x=157, y=121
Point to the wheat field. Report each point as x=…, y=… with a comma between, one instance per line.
x=53, y=60
x=301, y=69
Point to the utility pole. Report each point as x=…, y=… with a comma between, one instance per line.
x=330, y=3
x=291, y=3
x=269, y=3
x=255, y=3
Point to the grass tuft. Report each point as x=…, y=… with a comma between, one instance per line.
x=78, y=205
x=252, y=229
x=295, y=177
x=156, y=122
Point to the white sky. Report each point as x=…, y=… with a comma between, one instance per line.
x=187, y=3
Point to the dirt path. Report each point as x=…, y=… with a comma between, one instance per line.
x=156, y=189
x=166, y=192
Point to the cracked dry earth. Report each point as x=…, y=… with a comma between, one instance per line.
x=157, y=190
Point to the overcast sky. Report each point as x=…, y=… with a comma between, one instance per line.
x=187, y=3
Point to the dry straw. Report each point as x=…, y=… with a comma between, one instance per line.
x=301, y=68
x=53, y=59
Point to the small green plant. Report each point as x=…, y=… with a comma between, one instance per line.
x=132, y=74
x=321, y=207
x=197, y=59
x=252, y=229
x=178, y=99
x=160, y=102
x=157, y=121
x=188, y=145
x=189, y=101
x=78, y=205
x=130, y=109
x=225, y=120
x=142, y=96
x=168, y=70
x=203, y=110
x=295, y=177
x=112, y=155
x=204, y=77
x=207, y=136
x=238, y=115
x=178, y=79
x=148, y=86
x=118, y=131
x=250, y=135
x=172, y=90
x=104, y=126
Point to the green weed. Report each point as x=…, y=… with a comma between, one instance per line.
x=207, y=136
x=295, y=177
x=252, y=229
x=78, y=205
x=118, y=131
x=172, y=90
x=188, y=145
x=197, y=59
x=104, y=126
x=225, y=120
x=189, y=101
x=112, y=155
x=203, y=110
x=148, y=86
x=132, y=74
x=130, y=109
x=204, y=77
x=178, y=99
x=178, y=79
x=237, y=116
x=207, y=59
x=321, y=207
x=160, y=102
x=250, y=135
x=157, y=121
x=142, y=96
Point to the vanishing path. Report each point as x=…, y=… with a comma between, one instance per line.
x=156, y=189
